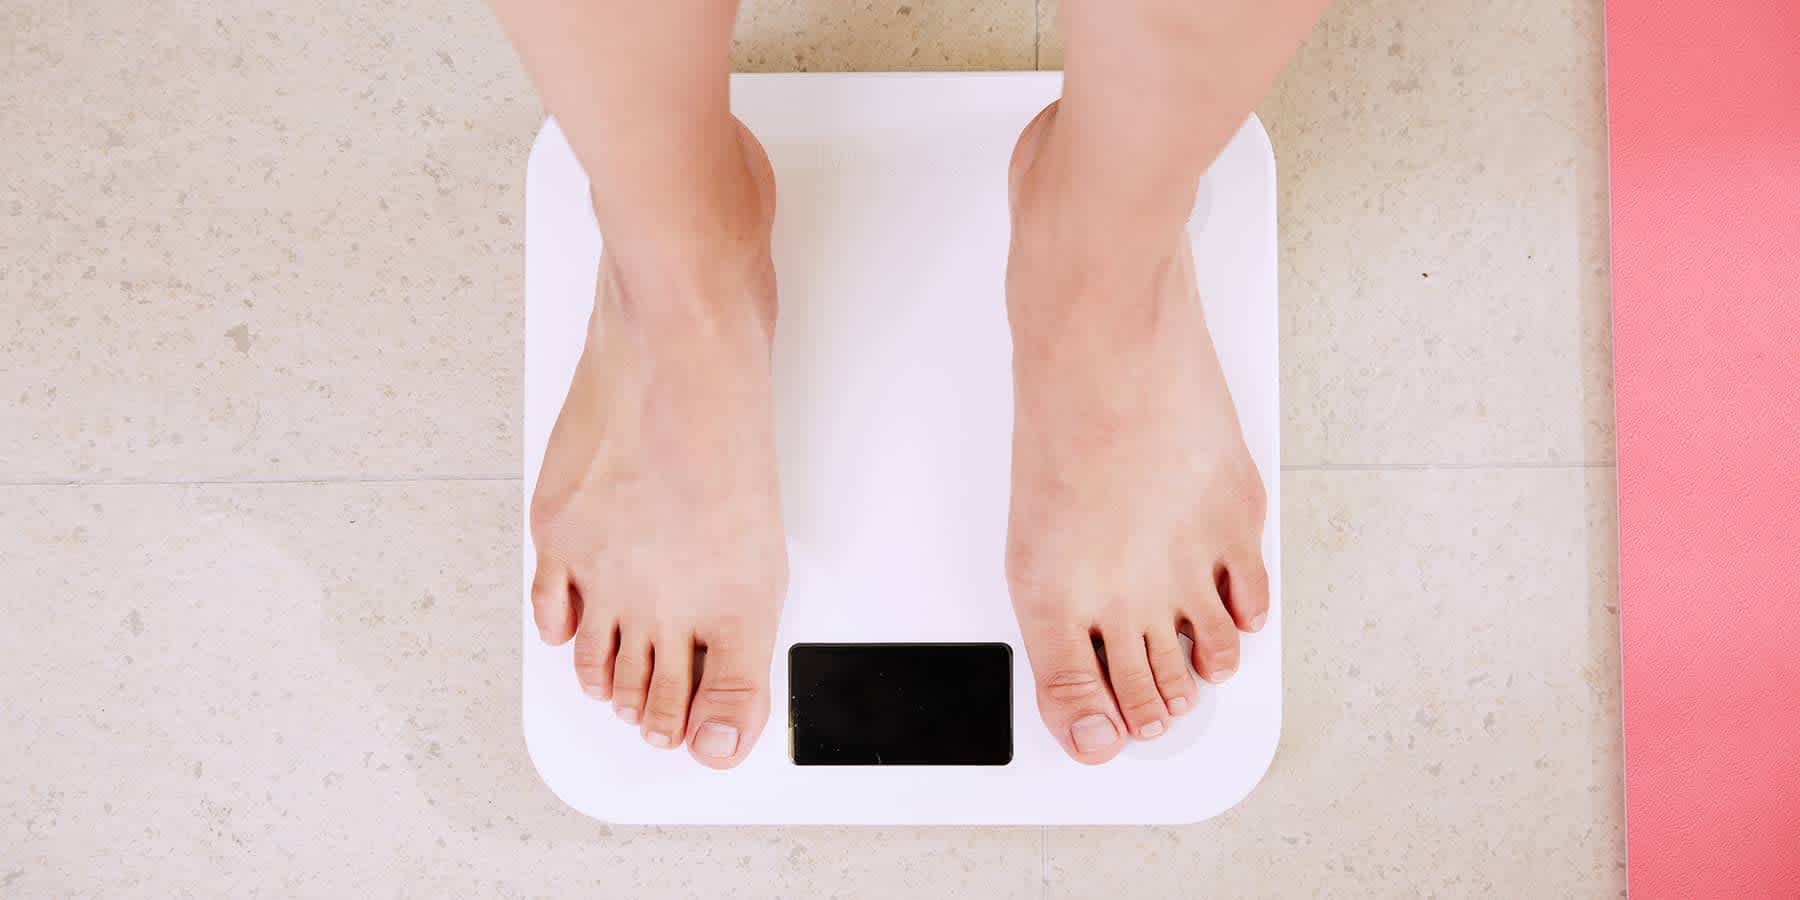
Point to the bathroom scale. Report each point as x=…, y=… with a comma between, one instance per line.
x=893, y=407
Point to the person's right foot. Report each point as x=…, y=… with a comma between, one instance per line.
x=657, y=516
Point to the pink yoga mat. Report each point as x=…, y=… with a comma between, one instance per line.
x=1705, y=108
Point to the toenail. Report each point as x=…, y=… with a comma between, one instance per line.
x=628, y=714
x=1095, y=732
x=1178, y=706
x=1220, y=676
x=1257, y=623
x=657, y=739
x=716, y=740
x=1151, y=730
x=595, y=691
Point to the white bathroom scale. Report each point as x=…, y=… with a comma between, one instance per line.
x=893, y=406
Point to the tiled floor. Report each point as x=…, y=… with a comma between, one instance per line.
x=259, y=368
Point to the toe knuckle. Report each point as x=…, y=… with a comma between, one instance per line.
x=549, y=538
x=1252, y=580
x=1147, y=707
x=729, y=692
x=1253, y=598
x=1217, y=644
x=1072, y=685
x=663, y=718
x=589, y=658
x=1221, y=653
x=1134, y=681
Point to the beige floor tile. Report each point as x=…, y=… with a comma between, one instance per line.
x=1451, y=721
x=884, y=35
x=258, y=239
x=1444, y=233
x=249, y=242
x=312, y=690
x=1444, y=202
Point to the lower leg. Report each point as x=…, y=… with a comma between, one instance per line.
x=1137, y=512
x=1154, y=89
x=642, y=93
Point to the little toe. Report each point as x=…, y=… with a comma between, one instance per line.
x=1215, y=639
x=1134, y=685
x=1073, y=696
x=553, y=602
x=631, y=673
x=1246, y=592
x=731, y=705
x=1169, y=663
x=671, y=684
x=595, y=645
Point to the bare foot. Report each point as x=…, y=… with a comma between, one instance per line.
x=1137, y=512
x=657, y=516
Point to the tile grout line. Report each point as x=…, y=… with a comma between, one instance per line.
x=208, y=482
x=497, y=478
x=1037, y=38
x=1044, y=862
x=1498, y=465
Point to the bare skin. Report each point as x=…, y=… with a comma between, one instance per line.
x=1136, y=512
x=657, y=515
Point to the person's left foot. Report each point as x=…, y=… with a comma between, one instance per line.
x=1137, y=512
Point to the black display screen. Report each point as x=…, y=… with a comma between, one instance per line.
x=900, y=704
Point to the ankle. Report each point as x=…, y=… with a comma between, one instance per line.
x=716, y=203
x=1073, y=286
x=698, y=227
x=726, y=293
x=1085, y=193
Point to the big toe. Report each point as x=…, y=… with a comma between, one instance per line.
x=1073, y=697
x=731, y=705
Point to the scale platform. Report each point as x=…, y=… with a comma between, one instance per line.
x=893, y=405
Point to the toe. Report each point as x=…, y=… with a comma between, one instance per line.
x=1134, y=685
x=1169, y=663
x=731, y=705
x=631, y=673
x=595, y=645
x=1215, y=638
x=1247, y=592
x=671, y=684
x=1072, y=694
x=553, y=602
